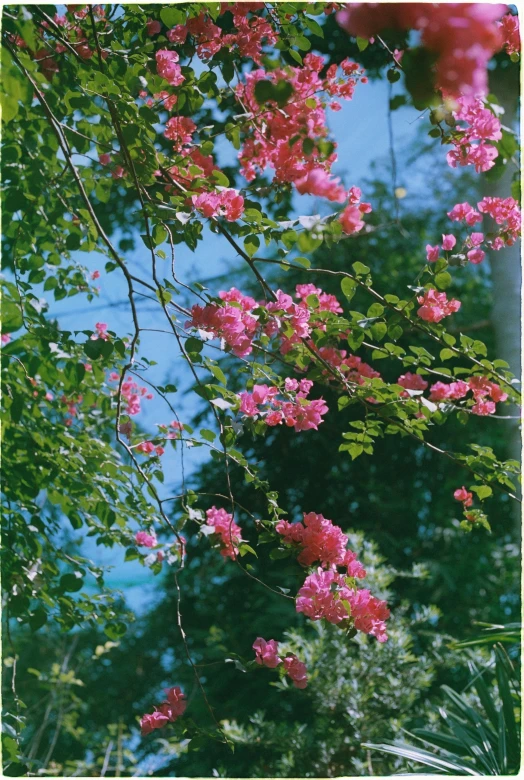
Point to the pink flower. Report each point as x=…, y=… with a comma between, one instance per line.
x=475, y=239
x=156, y=720
x=319, y=182
x=476, y=256
x=435, y=306
x=180, y=129
x=176, y=700
x=167, y=67
x=351, y=220
x=143, y=539
x=484, y=408
x=228, y=532
x=6, y=338
x=153, y=27
x=448, y=242
x=297, y=670
x=461, y=494
x=463, y=212
x=104, y=159
x=510, y=30
x=101, y=332
x=228, y=203
x=319, y=540
x=147, y=447
x=432, y=253
x=266, y=652
x=95, y=275
x=177, y=34
x=412, y=381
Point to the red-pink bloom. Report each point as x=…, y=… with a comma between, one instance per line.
x=412, y=381
x=153, y=27
x=464, y=36
x=226, y=529
x=432, y=253
x=147, y=447
x=266, y=652
x=144, y=539
x=319, y=182
x=448, y=242
x=435, y=306
x=320, y=541
x=509, y=26
x=101, y=332
x=297, y=670
x=464, y=212
x=324, y=594
x=95, y=275
x=180, y=129
x=104, y=159
x=236, y=325
x=461, y=494
x=484, y=408
x=351, y=220
x=177, y=34
x=476, y=256
x=6, y=338
x=227, y=203
x=176, y=700
x=155, y=720
x=167, y=66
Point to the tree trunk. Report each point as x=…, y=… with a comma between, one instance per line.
x=506, y=272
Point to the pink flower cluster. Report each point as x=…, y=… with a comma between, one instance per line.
x=167, y=66
x=434, y=306
x=233, y=323
x=486, y=394
x=461, y=494
x=101, y=332
x=326, y=595
x=227, y=531
x=320, y=541
x=143, y=539
x=148, y=448
x=167, y=712
x=464, y=36
x=131, y=393
x=509, y=26
x=505, y=212
x=266, y=654
x=180, y=129
x=412, y=382
x=252, y=32
x=472, y=243
x=351, y=217
x=227, y=203
x=483, y=126
x=300, y=413
x=276, y=135
x=352, y=367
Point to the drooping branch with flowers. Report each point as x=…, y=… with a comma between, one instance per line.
x=126, y=109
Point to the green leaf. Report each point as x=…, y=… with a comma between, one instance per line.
x=71, y=582
x=360, y=269
x=443, y=280
x=194, y=345
x=251, y=244
x=362, y=43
